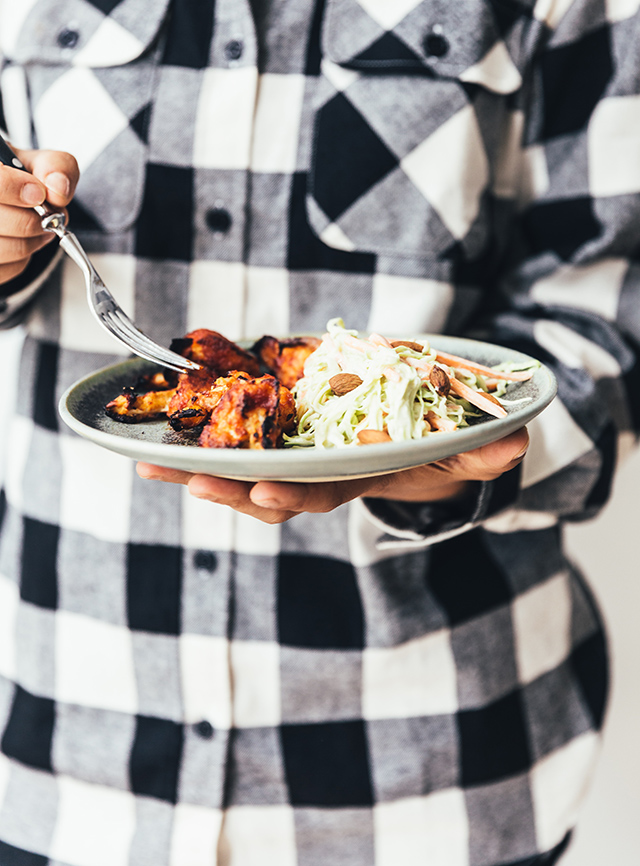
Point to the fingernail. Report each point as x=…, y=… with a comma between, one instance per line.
x=521, y=453
x=267, y=502
x=58, y=183
x=32, y=194
x=145, y=474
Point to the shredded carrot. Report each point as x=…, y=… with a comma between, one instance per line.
x=477, y=398
x=480, y=369
x=355, y=343
x=392, y=374
x=445, y=425
x=379, y=340
x=423, y=366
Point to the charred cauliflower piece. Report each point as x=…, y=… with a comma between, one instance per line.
x=215, y=352
x=285, y=358
x=251, y=413
x=132, y=407
x=196, y=396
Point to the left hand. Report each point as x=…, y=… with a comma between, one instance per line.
x=278, y=501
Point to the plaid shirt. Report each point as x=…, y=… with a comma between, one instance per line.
x=181, y=685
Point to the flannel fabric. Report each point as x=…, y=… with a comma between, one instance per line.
x=381, y=685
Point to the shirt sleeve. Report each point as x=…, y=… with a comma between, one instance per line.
x=562, y=280
x=17, y=294
x=568, y=289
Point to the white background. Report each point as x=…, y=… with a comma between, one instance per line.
x=608, y=551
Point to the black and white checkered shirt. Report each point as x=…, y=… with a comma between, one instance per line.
x=383, y=685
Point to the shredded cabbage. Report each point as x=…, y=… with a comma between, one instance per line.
x=395, y=394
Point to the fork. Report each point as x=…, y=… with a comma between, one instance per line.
x=104, y=306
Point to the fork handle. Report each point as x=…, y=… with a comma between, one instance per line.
x=8, y=157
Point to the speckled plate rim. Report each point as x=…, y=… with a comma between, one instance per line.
x=82, y=409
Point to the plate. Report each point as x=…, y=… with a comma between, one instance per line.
x=82, y=408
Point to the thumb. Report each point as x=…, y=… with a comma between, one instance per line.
x=504, y=454
x=57, y=170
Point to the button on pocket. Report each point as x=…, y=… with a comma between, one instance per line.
x=68, y=38
x=435, y=45
x=479, y=41
x=25, y=39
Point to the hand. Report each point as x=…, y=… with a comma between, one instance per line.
x=54, y=176
x=277, y=501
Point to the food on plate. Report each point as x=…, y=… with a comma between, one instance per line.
x=285, y=358
x=251, y=413
x=359, y=390
x=228, y=400
x=343, y=389
x=215, y=352
x=146, y=400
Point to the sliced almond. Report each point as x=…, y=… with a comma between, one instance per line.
x=409, y=344
x=342, y=383
x=440, y=381
x=369, y=437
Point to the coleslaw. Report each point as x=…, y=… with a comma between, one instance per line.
x=404, y=389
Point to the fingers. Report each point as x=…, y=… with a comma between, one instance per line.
x=14, y=250
x=450, y=478
x=277, y=501
x=19, y=222
x=21, y=236
x=315, y=498
x=235, y=494
x=19, y=189
x=269, y=501
x=54, y=179
x=55, y=171
x=149, y=472
x=492, y=460
x=52, y=176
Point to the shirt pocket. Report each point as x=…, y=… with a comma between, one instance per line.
x=407, y=110
x=78, y=80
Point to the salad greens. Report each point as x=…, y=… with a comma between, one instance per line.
x=405, y=388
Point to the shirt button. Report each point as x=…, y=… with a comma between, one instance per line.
x=68, y=38
x=435, y=45
x=204, y=729
x=233, y=49
x=205, y=560
x=218, y=219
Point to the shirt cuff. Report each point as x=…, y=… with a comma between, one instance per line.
x=415, y=525
x=16, y=295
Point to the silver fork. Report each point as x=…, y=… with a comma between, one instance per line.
x=104, y=306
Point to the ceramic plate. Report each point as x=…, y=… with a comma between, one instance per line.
x=82, y=408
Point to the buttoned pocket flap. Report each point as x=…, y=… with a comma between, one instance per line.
x=79, y=32
x=475, y=41
x=408, y=121
x=80, y=76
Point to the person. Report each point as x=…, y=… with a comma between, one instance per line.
x=399, y=669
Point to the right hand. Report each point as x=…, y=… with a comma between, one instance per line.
x=54, y=177
x=277, y=501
